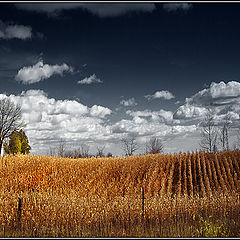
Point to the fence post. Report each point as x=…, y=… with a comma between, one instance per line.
x=143, y=202
x=19, y=212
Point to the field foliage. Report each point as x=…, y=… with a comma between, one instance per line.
x=155, y=195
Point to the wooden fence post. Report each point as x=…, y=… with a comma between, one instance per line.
x=19, y=212
x=143, y=202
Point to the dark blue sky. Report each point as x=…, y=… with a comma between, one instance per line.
x=134, y=52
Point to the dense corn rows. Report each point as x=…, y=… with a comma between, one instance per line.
x=160, y=174
x=94, y=196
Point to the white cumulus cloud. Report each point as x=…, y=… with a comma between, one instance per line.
x=99, y=111
x=48, y=120
x=189, y=111
x=89, y=80
x=223, y=98
x=129, y=102
x=151, y=123
x=161, y=115
x=217, y=94
x=161, y=94
x=40, y=71
x=10, y=31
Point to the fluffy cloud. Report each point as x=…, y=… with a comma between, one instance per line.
x=158, y=125
x=99, y=111
x=146, y=123
x=49, y=119
x=8, y=31
x=217, y=94
x=129, y=103
x=177, y=6
x=140, y=127
x=161, y=115
x=161, y=94
x=40, y=71
x=189, y=111
x=99, y=9
x=89, y=80
x=223, y=98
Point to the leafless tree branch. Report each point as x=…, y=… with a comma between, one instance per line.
x=129, y=145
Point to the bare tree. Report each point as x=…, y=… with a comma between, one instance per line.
x=80, y=152
x=51, y=151
x=61, y=148
x=236, y=144
x=10, y=119
x=154, y=146
x=129, y=145
x=224, y=134
x=77, y=153
x=84, y=150
x=100, y=152
x=209, y=133
x=68, y=154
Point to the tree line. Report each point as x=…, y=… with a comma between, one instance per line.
x=128, y=145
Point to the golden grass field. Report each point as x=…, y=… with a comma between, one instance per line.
x=158, y=195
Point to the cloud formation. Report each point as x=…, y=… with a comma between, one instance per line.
x=151, y=123
x=161, y=115
x=10, y=31
x=48, y=120
x=89, y=80
x=188, y=111
x=99, y=111
x=99, y=9
x=223, y=98
x=171, y=7
x=129, y=102
x=217, y=94
x=161, y=94
x=41, y=71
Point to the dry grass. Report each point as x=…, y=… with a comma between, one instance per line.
x=101, y=197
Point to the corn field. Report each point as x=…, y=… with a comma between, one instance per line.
x=156, y=195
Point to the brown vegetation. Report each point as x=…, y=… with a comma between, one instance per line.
x=102, y=197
